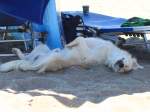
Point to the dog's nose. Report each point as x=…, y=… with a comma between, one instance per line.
x=121, y=65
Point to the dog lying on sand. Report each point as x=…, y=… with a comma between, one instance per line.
x=81, y=52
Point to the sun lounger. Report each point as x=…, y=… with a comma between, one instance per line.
x=112, y=25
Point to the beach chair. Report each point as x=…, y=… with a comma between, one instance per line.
x=43, y=12
x=111, y=26
x=16, y=19
x=12, y=30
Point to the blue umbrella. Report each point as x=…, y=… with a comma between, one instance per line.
x=32, y=10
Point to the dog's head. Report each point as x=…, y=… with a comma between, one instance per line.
x=127, y=64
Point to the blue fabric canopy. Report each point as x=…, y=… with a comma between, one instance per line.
x=40, y=12
x=32, y=10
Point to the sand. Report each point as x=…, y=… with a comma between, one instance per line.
x=83, y=90
x=76, y=89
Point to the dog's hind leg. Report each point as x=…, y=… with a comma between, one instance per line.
x=54, y=62
x=22, y=56
x=12, y=65
x=19, y=53
x=27, y=66
x=19, y=65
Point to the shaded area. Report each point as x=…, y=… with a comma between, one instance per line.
x=92, y=85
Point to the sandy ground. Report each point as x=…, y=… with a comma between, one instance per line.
x=78, y=90
x=83, y=90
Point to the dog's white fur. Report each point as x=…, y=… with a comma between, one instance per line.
x=81, y=51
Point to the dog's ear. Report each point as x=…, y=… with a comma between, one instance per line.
x=135, y=64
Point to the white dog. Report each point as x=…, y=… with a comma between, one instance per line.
x=81, y=51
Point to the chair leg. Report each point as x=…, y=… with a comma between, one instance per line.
x=25, y=43
x=145, y=41
x=5, y=33
x=34, y=36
